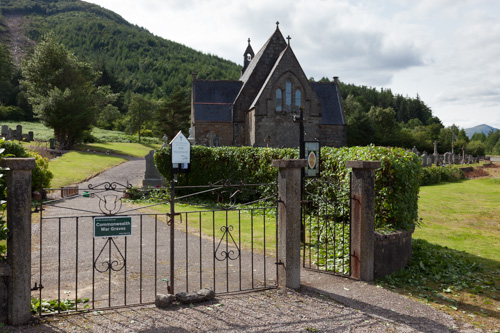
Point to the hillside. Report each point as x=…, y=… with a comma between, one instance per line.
x=142, y=62
x=479, y=129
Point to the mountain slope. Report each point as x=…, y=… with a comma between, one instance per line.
x=479, y=129
x=142, y=62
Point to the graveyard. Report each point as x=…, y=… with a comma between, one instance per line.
x=473, y=299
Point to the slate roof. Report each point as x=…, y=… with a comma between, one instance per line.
x=213, y=99
x=329, y=95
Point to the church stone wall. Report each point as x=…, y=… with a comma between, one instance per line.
x=333, y=135
x=214, y=133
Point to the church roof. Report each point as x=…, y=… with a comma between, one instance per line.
x=213, y=99
x=331, y=107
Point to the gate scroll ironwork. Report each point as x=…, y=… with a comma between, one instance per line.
x=326, y=225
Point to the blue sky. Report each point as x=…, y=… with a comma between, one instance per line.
x=446, y=51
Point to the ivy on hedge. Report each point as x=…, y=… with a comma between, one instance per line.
x=396, y=183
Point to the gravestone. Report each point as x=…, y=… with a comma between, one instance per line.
x=447, y=158
x=10, y=134
x=5, y=129
x=152, y=177
x=31, y=136
x=435, y=148
x=424, y=159
x=19, y=133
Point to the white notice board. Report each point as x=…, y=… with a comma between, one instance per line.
x=181, y=149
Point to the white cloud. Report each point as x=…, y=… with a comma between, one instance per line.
x=447, y=51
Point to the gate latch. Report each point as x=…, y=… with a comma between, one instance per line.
x=36, y=287
x=279, y=263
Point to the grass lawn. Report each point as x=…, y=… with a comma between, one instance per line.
x=120, y=148
x=464, y=216
x=74, y=167
x=247, y=224
x=460, y=234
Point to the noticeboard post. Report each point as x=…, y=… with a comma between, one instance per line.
x=312, y=155
x=181, y=153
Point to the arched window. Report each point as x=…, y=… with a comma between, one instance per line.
x=279, y=100
x=298, y=99
x=288, y=96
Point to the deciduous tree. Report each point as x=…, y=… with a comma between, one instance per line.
x=62, y=92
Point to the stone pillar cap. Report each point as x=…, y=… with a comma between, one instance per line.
x=364, y=164
x=289, y=164
x=17, y=163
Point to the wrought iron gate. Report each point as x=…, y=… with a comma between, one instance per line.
x=326, y=226
x=164, y=247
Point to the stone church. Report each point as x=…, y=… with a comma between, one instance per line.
x=258, y=109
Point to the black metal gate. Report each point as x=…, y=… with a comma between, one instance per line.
x=326, y=226
x=230, y=246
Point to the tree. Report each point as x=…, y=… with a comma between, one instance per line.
x=140, y=112
x=6, y=73
x=62, y=92
x=173, y=114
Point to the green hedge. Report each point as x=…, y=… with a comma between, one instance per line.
x=396, y=183
x=436, y=174
x=14, y=149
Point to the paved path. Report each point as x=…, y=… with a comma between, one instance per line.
x=368, y=308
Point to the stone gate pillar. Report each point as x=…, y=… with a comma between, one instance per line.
x=289, y=221
x=19, y=241
x=363, y=218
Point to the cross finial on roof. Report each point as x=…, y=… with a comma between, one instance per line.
x=248, y=41
x=277, y=24
x=289, y=39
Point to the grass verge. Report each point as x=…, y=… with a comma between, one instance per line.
x=120, y=148
x=455, y=265
x=75, y=167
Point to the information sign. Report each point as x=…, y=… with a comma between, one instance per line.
x=181, y=149
x=112, y=226
x=312, y=154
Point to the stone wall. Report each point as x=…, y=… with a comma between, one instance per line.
x=210, y=134
x=392, y=252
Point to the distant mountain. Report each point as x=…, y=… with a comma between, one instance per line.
x=140, y=61
x=479, y=129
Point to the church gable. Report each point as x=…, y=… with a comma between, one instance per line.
x=286, y=89
x=258, y=110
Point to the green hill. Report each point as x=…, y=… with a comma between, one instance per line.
x=139, y=61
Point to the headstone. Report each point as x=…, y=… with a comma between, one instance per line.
x=5, y=129
x=19, y=133
x=165, y=141
x=10, y=134
x=447, y=158
x=152, y=177
x=414, y=150
x=31, y=136
x=424, y=159
x=435, y=148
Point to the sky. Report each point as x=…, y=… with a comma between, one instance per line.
x=446, y=51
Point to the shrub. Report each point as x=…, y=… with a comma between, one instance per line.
x=41, y=169
x=436, y=174
x=396, y=183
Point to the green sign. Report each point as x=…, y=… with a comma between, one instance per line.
x=112, y=226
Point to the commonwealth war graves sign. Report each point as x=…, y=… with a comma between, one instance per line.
x=112, y=226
